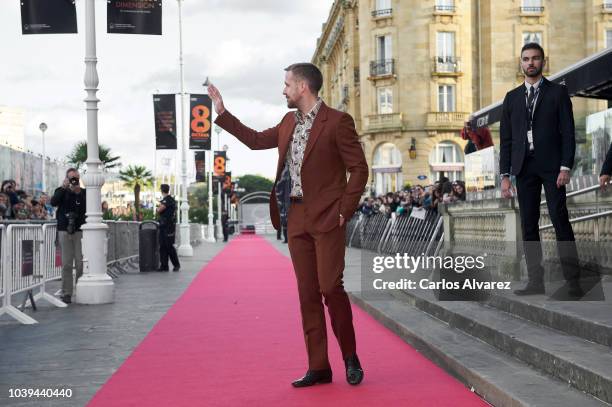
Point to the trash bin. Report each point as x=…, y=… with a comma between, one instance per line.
x=148, y=246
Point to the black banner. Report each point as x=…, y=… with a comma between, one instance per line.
x=27, y=258
x=134, y=17
x=200, y=164
x=164, y=108
x=200, y=107
x=48, y=17
x=227, y=183
x=219, y=166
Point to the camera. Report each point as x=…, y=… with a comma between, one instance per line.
x=74, y=181
x=71, y=228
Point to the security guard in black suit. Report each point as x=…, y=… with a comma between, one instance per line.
x=167, y=228
x=537, y=145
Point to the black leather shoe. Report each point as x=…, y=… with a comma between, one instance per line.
x=531, y=289
x=574, y=290
x=66, y=299
x=354, y=372
x=313, y=377
x=176, y=268
x=162, y=269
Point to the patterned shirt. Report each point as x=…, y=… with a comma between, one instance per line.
x=295, y=154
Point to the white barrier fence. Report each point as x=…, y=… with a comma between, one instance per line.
x=21, y=245
x=30, y=258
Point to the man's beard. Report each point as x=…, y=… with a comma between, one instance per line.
x=536, y=72
x=291, y=104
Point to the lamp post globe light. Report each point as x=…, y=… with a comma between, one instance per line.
x=43, y=128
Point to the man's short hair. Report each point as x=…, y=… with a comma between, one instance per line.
x=309, y=73
x=533, y=45
x=69, y=170
x=165, y=188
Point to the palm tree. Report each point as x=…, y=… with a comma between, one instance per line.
x=78, y=156
x=136, y=177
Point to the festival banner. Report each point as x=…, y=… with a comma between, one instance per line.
x=134, y=17
x=219, y=166
x=227, y=183
x=200, y=107
x=48, y=17
x=164, y=108
x=200, y=166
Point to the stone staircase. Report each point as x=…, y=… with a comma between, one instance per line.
x=512, y=351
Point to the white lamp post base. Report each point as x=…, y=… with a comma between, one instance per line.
x=95, y=289
x=185, y=249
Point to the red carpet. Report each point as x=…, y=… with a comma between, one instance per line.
x=234, y=339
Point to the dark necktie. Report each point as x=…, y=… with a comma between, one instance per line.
x=530, y=99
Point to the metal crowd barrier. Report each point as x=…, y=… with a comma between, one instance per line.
x=122, y=246
x=30, y=259
x=51, y=263
x=396, y=234
x=3, y=294
x=21, y=245
x=197, y=234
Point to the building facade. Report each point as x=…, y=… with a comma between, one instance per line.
x=411, y=72
x=12, y=127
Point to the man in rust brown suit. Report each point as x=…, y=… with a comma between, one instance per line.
x=317, y=146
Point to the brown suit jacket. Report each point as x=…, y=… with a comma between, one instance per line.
x=333, y=149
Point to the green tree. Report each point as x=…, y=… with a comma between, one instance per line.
x=198, y=203
x=136, y=177
x=253, y=183
x=78, y=156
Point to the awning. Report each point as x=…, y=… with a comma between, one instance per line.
x=590, y=78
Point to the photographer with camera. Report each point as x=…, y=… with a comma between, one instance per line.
x=70, y=202
x=166, y=213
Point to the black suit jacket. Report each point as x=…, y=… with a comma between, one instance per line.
x=607, y=165
x=553, y=130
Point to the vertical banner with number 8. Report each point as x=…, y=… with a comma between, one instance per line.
x=200, y=107
x=219, y=166
x=200, y=161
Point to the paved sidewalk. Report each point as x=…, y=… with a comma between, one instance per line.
x=80, y=347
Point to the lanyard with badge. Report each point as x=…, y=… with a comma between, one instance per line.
x=530, y=111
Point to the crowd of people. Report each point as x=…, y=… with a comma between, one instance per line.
x=16, y=204
x=426, y=197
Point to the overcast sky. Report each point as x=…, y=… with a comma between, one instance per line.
x=242, y=45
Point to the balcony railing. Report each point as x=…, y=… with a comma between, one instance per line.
x=532, y=10
x=385, y=12
x=384, y=122
x=446, y=120
x=446, y=64
x=382, y=67
x=444, y=8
